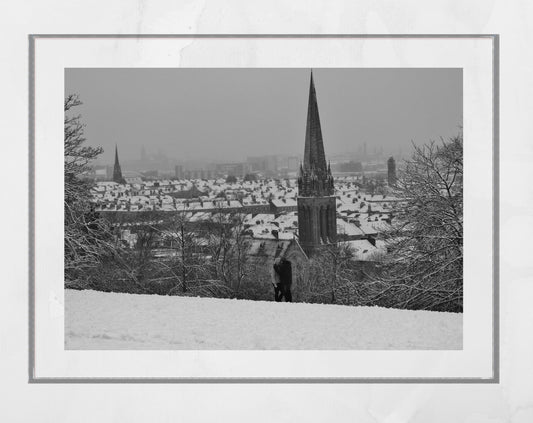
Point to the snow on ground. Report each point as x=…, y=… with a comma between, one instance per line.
x=105, y=321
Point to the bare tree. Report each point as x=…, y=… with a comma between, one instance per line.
x=84, y=231
x=236, y=266
x=219, y=233
x=334, y=276
x=124, y=267
x=424, y=267
x=184, y=242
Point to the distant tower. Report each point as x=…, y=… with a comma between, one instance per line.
x=117, y=173
x=178, y=171
x=317, y=212
x=144, y=157
x=391, y=167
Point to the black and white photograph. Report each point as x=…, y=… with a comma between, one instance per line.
x=267, y=211
x=263, y=208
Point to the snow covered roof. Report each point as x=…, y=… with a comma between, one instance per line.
x=364, y=251
x=264, y=230
x=267, y=248
x=285, y=202
x=289, y=220
x=349, y=229
x=263, y=218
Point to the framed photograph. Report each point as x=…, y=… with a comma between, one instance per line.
x=266, y=208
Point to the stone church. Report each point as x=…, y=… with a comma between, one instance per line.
x=317, y=218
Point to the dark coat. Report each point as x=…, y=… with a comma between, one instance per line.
x=282, y=287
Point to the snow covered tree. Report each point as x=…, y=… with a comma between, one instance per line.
x=82, y=228
x=332, y=276
x=185, y=264
x=219, y=233
x=424, y=267
x=236, y=266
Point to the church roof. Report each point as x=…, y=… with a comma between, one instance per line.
x=263, y=252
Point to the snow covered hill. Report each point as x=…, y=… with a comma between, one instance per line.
x=99, y=320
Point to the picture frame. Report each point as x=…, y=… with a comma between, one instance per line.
x=38, y=132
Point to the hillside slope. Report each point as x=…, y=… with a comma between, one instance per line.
x=99, y=320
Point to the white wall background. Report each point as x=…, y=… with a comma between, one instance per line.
x=509, y=401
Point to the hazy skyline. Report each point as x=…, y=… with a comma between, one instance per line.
x=229, y=114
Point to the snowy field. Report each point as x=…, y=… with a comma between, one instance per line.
x=105, y=321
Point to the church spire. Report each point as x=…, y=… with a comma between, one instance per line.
x=315, y=175
x=314, y=156
x=117, y=172
x=317, y=211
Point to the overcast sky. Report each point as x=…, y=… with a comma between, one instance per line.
x=229, y=114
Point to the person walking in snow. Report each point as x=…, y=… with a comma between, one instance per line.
x=282, y=279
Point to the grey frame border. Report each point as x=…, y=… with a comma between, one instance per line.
x=260, y=380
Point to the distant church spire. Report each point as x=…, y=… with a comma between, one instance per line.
x=314, y=146
x=117, y=172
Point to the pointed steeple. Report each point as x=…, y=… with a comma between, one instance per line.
x=314, y=156
x=117, y=172
x=317, y=209
x=315, y=167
